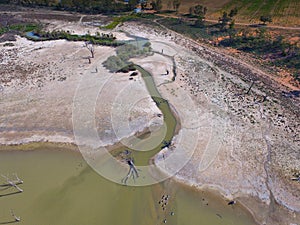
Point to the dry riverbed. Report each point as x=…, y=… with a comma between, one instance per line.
x=247, y=143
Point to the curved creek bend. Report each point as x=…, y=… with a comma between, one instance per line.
x=61, y=188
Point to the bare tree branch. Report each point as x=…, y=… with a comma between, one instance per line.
x=90, y=47
x=17, y=219
x=13, y=183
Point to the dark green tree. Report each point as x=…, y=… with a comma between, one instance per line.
x=233, y=12
x=223, y=21
x=265, y=19
x=200, y=12
x=227, y=19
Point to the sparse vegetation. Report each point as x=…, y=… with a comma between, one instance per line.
x=121, y=19
x=206, y=32
x=275, y=50
x=88, y=6
x=20, y=28
x=283, y=11
x=100, y=39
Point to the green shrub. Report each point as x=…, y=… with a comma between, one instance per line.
x=8, y=44
x=120, y=63
x=114, y=63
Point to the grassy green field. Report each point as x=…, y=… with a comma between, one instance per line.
x=283, y=12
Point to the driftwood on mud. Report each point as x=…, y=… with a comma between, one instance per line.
x=12, y=183
x=132, y=171
x=17, y=219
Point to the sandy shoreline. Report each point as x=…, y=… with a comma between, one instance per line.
x=253, y=151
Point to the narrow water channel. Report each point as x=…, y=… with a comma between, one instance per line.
x=165, y=133
x=60, y=188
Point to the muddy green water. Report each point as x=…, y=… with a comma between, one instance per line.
x=162, y=136
x=59, y=188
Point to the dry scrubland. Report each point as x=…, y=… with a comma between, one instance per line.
x=255, y=135
x=284, y=12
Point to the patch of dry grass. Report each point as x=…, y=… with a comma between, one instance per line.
x=283, y=12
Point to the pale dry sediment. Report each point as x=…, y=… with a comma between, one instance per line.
x=257, y=137
x=39, y=81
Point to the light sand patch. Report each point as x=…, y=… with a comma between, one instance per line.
x=37, y=96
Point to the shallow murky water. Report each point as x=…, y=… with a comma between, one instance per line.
x=59, y=188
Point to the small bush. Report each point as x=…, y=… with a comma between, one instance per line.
x=120, y=62
x=8, y=44
x=114, y=64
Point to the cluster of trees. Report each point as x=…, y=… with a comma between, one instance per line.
x=94, y=6
x=226, y=20
x=199, y=11
x=171, y=4
x=98, y=39
x=98, y=6
x=279, y=51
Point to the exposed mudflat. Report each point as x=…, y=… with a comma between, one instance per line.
x=247, y=144
x=38, y=84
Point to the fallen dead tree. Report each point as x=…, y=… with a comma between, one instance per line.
x=17, y=219
x=132, y=171
x=12, y=183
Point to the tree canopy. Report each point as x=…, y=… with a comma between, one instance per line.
x=265, y=19
x=95, y=6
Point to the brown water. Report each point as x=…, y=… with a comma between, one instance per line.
x=59, y=188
